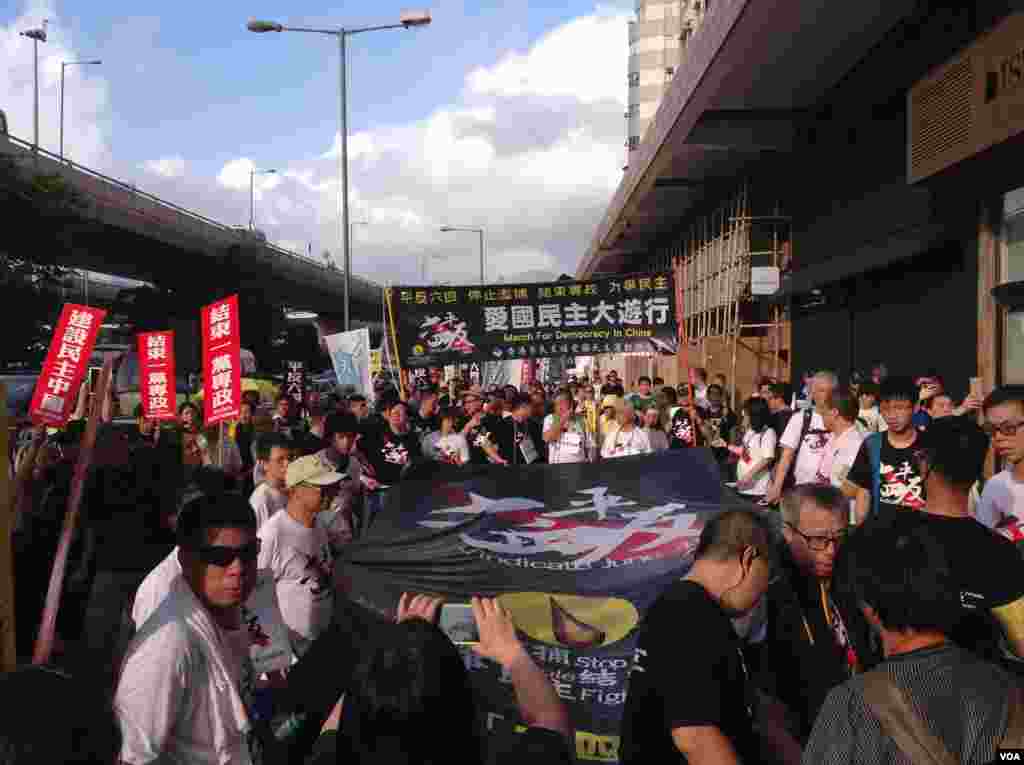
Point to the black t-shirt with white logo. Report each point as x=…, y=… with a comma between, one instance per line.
x=901, y=482
x=683, y=434
x=487, y=432
x=690, y=678
x=388, y=452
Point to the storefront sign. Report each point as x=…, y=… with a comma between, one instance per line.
x=222, y=367
x=970, y=103
x=438, y=325
x=66, y=362
x=157, y=388
x=295, y=381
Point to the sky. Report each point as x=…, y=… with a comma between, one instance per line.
x=506, y=116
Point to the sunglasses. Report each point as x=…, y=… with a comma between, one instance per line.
x=223, y=556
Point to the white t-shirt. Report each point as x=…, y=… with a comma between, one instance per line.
x=839, y=457
x=574, y=445
x=168, y=693
x=618, y=443
x=757, y=447
x=809, y=457
x=265, y=501
x=303, y=565
x=1003, y=496
x=453, y=448
x=154, y=588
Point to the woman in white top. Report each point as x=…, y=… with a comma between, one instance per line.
x=756, y=455
x=655, y=433
x=625, y=438
x=447, y=444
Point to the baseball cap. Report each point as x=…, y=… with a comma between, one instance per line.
x=312, y=471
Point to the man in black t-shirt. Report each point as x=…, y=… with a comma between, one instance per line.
x=895, y=480
x=384, y=453
x=481, y=431
x=688, y=691
x=520, y=441
x=987, y=569
x=426, y=419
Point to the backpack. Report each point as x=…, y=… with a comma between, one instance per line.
x=806, y=426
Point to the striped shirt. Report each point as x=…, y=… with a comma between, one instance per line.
x=962, y=700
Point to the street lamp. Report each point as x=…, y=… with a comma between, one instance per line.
x=407, y=20
x=253, y=172
x=64, y=65
x=480, y=231
x=36, y=36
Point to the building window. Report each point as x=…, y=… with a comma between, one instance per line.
x=1012, y=270
x=634, y=79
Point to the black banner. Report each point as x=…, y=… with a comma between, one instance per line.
x=295, y=381
x=446, y=325
x=576, y=553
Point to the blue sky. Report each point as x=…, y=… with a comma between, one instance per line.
x=187, y=99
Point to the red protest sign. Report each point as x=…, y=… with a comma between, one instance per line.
x=66, y=364
x=157, y=389
x=222, y=368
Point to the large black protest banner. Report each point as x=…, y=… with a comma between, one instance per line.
x=446, y=325
x=576, y=553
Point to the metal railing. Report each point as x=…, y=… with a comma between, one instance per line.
x=241, y=233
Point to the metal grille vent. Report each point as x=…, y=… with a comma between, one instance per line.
x=940, y=129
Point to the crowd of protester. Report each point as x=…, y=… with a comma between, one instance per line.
x=863, y=602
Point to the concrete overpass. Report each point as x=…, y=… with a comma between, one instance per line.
x=115, y=228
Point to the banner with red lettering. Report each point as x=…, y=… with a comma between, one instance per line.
x=157, y=388
x=222, y=368
x=66, y=363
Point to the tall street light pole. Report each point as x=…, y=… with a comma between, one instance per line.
x=480, y=231
x=64, y=65
x=36, y=36
x=253, y=172
x=406, y=21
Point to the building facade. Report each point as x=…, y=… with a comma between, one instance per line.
x=657, y=42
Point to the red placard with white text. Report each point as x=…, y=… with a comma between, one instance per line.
x=222, y=367
x=157, y=389
x=57, y=389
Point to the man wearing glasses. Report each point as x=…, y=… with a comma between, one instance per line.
x=298, y=551
x=179, y=697
x=1002, y=502
x=806, y=651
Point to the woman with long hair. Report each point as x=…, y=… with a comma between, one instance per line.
x=757, y=452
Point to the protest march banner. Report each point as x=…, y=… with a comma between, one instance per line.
x=295, y=381
x=66, y=364
x=444, y=325
x=575, y=553
x=350, y=357
x=222, y=366
x=157, y=381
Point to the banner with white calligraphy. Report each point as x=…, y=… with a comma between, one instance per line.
x=157, y=387
x=446, y=325
x=66, y=363
x=295, y=381
x=222, y=367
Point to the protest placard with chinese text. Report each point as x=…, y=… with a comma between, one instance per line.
x=222, y=369
x=157, y=388
x=66, y=363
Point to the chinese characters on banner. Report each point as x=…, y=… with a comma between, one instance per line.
x=222, y=370
x=66, y=363
x=623, y=314
x=157, y=387
x=295, y=381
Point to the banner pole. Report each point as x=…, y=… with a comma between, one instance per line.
x=8, y=647
x=48, y=624
x=220, y=447
x=394, y=339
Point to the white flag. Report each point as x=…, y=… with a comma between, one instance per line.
x=350, y=356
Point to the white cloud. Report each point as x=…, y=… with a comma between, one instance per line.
x=167, y=167
x=86, y=104
x=236, y=175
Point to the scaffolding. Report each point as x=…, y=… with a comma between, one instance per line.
x=712, y=263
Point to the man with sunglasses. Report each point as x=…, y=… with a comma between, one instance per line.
x=1002, y=501
x=298, y=551
x=180, y=693
x=806, y=652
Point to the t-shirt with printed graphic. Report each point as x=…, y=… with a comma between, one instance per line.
x=388, y=452
x=303, y=565
x=682, y=434
x=484, y=434
x=811, y=451
x=451, y=449
x=901, y=483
